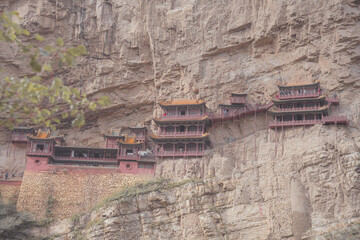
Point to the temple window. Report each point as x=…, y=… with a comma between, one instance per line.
x=182, y=128
x=129, y=152
x=39, y=147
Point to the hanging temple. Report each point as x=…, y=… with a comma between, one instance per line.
x=182, y=131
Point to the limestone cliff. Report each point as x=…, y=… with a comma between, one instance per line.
x=141, y=52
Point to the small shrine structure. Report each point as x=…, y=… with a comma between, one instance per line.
x=181, y=129
x=303, y=104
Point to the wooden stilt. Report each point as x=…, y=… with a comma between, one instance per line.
x=337, y=112
x=275, y=140
x=282, y=145
x=245, y=137
x=255, y=135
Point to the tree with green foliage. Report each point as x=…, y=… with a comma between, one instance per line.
x=33, y=99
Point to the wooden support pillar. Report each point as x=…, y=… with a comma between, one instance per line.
x=244, y=137
x=185, y=153
x=173, y=149
x=293, y=125
x=275, y=137
x=197, y=149
x=282, y=145
x=337, y=112
x=255, y=133
x=266, y=122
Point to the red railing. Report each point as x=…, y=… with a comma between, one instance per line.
x=297, y=109
x=335, y=119
x=129, y=157
x=237, y=100
x=299, y=95
x=294, y=123
x=39, y=152
x=180, y=134
x=182, y=117
x=179, y=153
x=84, y=159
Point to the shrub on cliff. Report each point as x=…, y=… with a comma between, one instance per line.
x=33, y=98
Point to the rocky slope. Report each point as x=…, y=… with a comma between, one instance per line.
x=141, y=52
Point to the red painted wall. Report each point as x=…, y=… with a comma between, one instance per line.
x=131, y=167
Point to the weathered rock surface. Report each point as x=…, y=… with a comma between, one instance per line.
x=141, y=52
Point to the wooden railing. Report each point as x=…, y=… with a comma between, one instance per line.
x=335, y=119
x=324, y=120
x=129, y=157
x=179, y=153
x=102, y=159
x=297, y=109
x=39, y=152
x=299, y=95
x=295, y=123
x=180, y=134
x=181, y=117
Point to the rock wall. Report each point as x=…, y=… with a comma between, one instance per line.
x=9, y=191
x=142, y=52
x=62, y=194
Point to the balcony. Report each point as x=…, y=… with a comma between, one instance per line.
x=297, y=109
x=92, y=159
x=181, y=134
x=335, y=119
x=191, y=153
x=299, y=95
x=39, y=152
x=129, y=157
x=182, y=117
x=311, y=122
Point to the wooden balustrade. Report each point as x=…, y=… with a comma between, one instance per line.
x=188, y=153
x=180, y=134
x=129, y=157
x=299, y=95
x=297, y=109
x=182, y=117
x=84, y=158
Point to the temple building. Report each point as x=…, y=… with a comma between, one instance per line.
x=181, y=129
x=46, y=150
x=303, y=105
x=111, y=140
x=19, y=134
x=238, y=104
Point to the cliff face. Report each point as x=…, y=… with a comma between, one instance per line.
x=141, y=52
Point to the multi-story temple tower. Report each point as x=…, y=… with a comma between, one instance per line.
x=181, y=129
x=302, y=105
